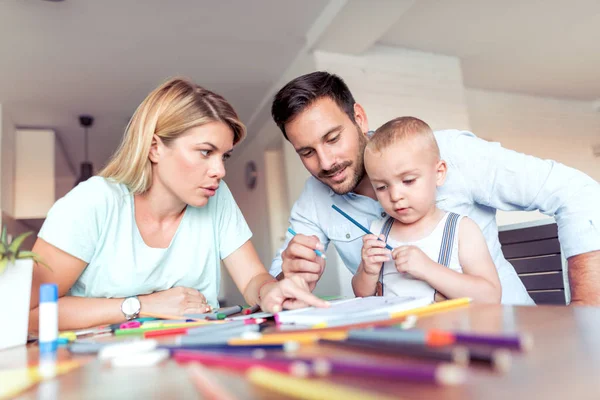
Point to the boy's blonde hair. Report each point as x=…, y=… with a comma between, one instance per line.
x=167, y=112
x=403, y=128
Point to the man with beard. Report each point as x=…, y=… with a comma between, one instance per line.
x=318, y=115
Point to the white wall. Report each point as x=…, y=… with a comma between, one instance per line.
x=7, y=162
x=277, y=194
x=391, y=82
x=558, y=129
x=34, y=173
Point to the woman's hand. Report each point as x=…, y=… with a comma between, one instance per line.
x=175, y=301
x=288, y=293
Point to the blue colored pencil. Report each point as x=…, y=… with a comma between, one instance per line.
x=319, y=253
x=355, y=222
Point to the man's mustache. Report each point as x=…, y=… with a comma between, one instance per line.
x=334, y=170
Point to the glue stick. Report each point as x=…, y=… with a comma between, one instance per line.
x=48, y=325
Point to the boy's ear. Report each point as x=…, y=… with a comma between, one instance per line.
x=440, y=173
x=155, y=149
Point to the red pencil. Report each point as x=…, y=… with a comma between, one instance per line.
x=242, y=364
x=251, y=310
x=166, y=332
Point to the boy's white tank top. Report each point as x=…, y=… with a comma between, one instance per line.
x=403, y=284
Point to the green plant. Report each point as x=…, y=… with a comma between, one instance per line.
x=11, y=252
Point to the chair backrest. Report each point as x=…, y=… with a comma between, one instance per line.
x=533, y=249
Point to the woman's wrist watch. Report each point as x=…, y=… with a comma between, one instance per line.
x=131, y=307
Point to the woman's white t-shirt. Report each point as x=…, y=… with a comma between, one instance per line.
x=95, y=222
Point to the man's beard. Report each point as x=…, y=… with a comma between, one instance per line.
x=358, y=173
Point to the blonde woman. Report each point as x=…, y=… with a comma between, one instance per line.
x=149, y=233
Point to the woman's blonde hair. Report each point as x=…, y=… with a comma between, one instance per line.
x=169, y=110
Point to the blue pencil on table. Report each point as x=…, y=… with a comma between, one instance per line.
x=355, y=222
x=319, y=253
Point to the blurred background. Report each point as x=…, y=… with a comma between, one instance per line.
x=522, y=73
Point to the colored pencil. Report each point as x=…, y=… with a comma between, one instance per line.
x=319, y=252
x=165, y=332
x=433, y=308
x=458, y=356
x=412, y=336
x=498, y=359
x=444, y=374
x=230, y=361
x=174, y=321
x=251, y=310
x=223, y=335
x=206, y=384
x=308, y=389
x=523, y=342
x=223, y=348
x=355, y=222
x=216, y=327
x=141, y=330
x=224, y=312
x=165, y=316
x=353, y=321
x=79, y=347
x=180, y=330
x=274, y=338
x=267, y=339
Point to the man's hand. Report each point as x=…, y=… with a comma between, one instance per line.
x=584, y=278
x=299, y=259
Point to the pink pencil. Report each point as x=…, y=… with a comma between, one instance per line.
x=206, y=384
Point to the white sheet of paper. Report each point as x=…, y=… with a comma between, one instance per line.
x=357, y=308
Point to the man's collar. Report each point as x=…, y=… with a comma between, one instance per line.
x=349, y=194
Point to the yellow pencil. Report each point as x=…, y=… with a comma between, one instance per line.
x=280, y=338
x=16, y=381
x=307, y=389
x=433, y=308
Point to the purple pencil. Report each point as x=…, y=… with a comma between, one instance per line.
x=517, y=342
x=443, y=374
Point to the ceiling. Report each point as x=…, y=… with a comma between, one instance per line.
x=59, y=60
x=539, y=47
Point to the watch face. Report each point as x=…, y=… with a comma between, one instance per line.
x=131, y=306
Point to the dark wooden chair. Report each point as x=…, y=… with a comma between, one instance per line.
x=533, y=249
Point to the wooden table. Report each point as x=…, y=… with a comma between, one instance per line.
x=564, y=363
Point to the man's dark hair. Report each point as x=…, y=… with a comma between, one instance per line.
x=300, y=93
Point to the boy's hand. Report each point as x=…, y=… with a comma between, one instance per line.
x=412, y=260
x=374, y=254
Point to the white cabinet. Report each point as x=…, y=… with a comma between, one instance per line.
x=34, y=186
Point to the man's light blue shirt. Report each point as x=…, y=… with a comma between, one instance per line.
x=482, y=177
